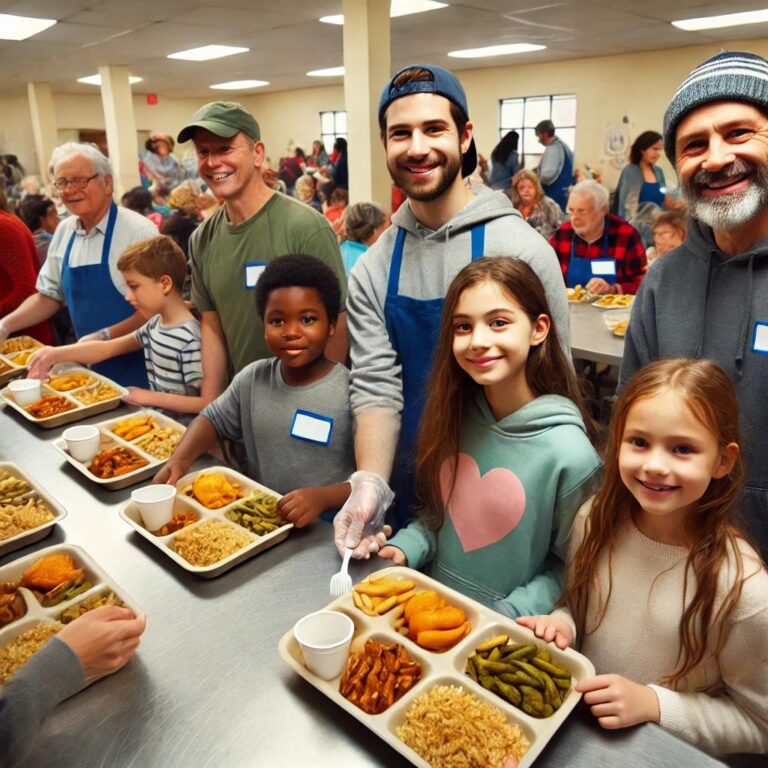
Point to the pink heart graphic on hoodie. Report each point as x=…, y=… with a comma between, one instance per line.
x=484, y=509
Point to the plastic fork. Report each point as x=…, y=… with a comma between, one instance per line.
x=341, y=582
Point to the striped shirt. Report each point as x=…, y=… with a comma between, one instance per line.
x=172, y=356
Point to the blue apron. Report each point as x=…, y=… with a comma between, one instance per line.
x=581, y=270
x=413, y=326
x=94, y=303
x=558, y=189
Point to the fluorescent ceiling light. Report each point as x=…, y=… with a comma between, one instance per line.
x=96, y=80
x=397, y=8
x=207, y=52
x=330, y=72
x=496, y=50
x=21, y=27
x=727, y=20
x=236, y=85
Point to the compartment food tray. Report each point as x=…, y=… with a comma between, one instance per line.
x=8, y=368
x=80, y=411
x=130, y=513
x=100, y=581
x=34, y=534
x=109, y=439
x=442, y=668
x=599, y=304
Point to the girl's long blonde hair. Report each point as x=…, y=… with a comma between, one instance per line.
x=711, y=530
x=450, y=389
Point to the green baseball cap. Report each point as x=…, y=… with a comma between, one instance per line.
x=224, y=118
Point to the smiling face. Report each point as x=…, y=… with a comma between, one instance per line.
x=492, y=337
x=145, y=294
x=90, y=202
x=666, y=460
x=296, y=329
x=228, y=165
x=424, y=148
x=722, y=163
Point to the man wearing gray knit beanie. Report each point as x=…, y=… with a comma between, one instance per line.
x=716, y=135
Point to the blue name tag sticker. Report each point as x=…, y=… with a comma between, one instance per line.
x=311, y=427
x=253, y=270
x=760, y=338
x=604, y=267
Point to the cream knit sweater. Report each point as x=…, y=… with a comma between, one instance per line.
x=722, y=705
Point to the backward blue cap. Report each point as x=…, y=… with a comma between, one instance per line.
x=444, y=83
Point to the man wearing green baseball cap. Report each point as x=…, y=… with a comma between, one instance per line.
x=255, y=224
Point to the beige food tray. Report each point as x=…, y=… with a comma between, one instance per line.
x=445, y=668
x=36, y=613
x=601, y=303
x=9, y=368
x=109, y=440
x=130, y=514
x=34, y=534
x=80, y=411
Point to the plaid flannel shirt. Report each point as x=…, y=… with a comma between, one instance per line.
x=624, y=245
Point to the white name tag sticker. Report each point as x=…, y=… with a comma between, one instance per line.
x=312, y=427
x=604, y=267
x=760, y=338
x=253, y=272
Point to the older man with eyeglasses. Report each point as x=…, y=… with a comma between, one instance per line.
x=81, y=268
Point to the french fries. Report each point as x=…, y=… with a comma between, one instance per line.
x=378, y=596
x=97, y=394
x=615, y=300
x=133, y=427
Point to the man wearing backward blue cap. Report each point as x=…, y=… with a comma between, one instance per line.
x=396, y=289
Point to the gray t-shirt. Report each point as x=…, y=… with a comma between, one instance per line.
x=259, y=408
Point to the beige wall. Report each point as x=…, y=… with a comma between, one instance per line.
x=636, y=85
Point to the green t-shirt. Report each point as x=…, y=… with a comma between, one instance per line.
x=226, y=260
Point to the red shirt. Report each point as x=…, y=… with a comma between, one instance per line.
x=19, y=266
x=624, y=245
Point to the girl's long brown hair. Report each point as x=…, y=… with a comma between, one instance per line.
x=450, y=389
x=711, y=531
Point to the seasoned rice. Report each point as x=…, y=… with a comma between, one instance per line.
x=452, y=728
x=18, y=652
x=209, y=542
x=15, y=519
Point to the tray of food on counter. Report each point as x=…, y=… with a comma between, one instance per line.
x=27, y=511
x=42, y=592
x=220, y=518
x=69, y=395
x=617, y=323
x=614, y=301
x=579, y=295
x=436, y=675
x=124, y=451
x=14, y=356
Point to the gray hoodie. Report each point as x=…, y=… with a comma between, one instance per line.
x=431, y=259
x=698, y=302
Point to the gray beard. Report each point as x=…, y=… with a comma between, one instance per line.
x=727, y=212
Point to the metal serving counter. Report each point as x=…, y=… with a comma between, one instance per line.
x=590, y=337
x=207, y=687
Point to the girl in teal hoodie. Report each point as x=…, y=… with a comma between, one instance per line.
x=503, y=457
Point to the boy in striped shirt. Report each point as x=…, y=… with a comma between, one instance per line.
x=154, y=271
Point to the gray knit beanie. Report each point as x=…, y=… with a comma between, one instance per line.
x=729, y=76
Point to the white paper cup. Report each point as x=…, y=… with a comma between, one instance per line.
x=325, y=637
x=155, y=505
x=25, y=391
x=82, y=442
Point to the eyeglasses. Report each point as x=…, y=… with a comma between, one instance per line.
x=81, y=182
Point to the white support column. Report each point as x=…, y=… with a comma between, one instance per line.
x=117, y=100
x=367, y=69
x=43, y=124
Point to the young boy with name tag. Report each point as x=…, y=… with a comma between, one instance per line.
x=292, y=410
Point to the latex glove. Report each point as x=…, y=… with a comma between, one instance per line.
x=4, y=332
x=359, y=524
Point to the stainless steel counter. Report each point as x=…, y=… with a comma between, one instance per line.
x=207, y=687
x=590, y=337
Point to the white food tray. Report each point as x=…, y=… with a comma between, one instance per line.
x=9, y=368
x=130, y=513
x=34, y=534
x=625, y=307
x=36, y=613
x=444, y=668
x=614, y=318
x=80, y=411
x=109, y=440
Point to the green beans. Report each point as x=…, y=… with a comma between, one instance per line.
x=258, y=513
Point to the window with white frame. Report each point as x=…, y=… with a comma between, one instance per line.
x=523, y=114
x=333, y=125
